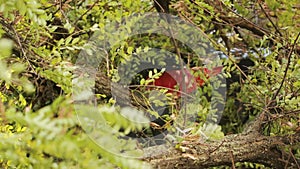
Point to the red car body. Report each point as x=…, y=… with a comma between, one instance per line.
x=185, y=80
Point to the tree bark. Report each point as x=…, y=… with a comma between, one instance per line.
x=251, y=147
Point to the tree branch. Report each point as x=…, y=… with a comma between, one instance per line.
x=287, y=67
x=242, y=148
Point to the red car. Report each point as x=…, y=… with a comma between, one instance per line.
x=184, y=80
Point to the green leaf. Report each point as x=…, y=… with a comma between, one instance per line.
x=17, y=68
x=6, y=46
x=75, y=40
x=129, y=50
x=20, y=4
x=68, y=40
x=5, y=73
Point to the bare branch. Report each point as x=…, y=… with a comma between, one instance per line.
x=287, y=66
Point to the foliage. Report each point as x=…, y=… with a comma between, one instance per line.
x=41, y=40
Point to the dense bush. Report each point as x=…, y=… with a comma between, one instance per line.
x=40, y=44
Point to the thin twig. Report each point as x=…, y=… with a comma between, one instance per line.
x=276, y=28
x=166, y=17
x=161, y=8
x=184, y=89
x=21, y=47
x=287, y=67
x=90, y=8
x=232, y=160
x=165, y=88
x=62, y=11
x=293, y=156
